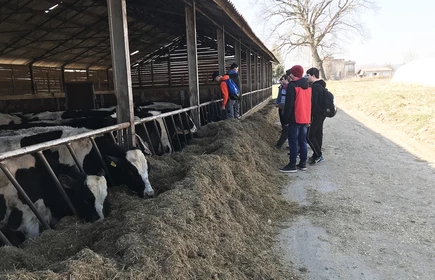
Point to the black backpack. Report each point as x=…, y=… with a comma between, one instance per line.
x=328, y=106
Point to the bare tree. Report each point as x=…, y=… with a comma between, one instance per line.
x=278, y=69
x=315, y=24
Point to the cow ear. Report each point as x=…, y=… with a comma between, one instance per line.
x=101, y=173
x=113, y=161
x=68, y=182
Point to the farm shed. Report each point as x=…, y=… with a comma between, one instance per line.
x=47, y=44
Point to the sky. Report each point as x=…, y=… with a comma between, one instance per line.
x=397, y=32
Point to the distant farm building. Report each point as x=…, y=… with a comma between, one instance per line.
x=337, y=69
x=375, y=72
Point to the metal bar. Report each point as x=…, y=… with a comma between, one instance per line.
x=23, y=194
x=182, y=127
x=202, y=114
x=56, y=181
x=113, y=137
x=190, y=132
x=149, y=139
x=106, y=170
x=167, y=133
x=158, y=133
x=49, y=144
x=4, y=240
x=73, y=155
x=176, y=133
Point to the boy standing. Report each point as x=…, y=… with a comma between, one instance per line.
x=227, y=103
x=315, y=132
x=297, y=116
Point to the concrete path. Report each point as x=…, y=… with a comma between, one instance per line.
x=367, y=211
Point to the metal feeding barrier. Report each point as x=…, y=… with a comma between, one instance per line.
x=207, y=111
x=38, y=149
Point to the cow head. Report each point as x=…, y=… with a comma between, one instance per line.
x=88, y=195
x=132, y=171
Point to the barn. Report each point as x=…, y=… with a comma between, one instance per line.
x=86, y=55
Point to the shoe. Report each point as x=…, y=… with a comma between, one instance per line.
x=314, y=160
x=289, y=168
x=278, y=146
x=311, y=160
x=302, y=165
x=319, y=159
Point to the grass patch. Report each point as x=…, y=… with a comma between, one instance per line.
x=409, y=108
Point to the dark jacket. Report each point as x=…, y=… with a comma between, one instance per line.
x=302, y=110
x=317, y=96
x=234, y=76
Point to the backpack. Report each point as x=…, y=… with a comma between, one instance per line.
x=328, y=106
x=233, y=89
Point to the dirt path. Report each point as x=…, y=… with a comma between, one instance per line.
x=368, y=211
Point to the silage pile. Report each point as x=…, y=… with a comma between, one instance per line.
x=209, y=221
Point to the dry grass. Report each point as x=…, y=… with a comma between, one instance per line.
x=409, y=108
x=209, y=221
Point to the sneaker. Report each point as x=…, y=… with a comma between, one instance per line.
x=289, y=168
x=302, y=165
x=312, y=160
x=319, y=159
x=278, y=146
x=316, y=160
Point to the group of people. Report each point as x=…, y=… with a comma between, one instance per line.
x=299, y=102
x=299, y=106
x=230, y=105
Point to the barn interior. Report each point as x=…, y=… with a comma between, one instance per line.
x=56, y=51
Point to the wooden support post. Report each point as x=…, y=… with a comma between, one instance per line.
x=256, y=71
x=221, y=50
x=248, y=70
x=13, y=78
x=238, y=57
x=32, y=81
x=62, y=78
x=118, y=29
x=169, y=69
x=192, y=60
x=152, y=73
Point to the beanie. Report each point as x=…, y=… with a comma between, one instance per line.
x=297, y=71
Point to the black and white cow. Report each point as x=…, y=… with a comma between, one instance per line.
x=87, y=194
x=7, y=119
x=126, y=167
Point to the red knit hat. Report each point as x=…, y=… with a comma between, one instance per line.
x=297, y=71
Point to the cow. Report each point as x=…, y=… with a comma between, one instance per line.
x=15, y=237
x=87, y=193
x=6, y=119
x=126, y=167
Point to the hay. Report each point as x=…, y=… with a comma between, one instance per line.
x=209, y=221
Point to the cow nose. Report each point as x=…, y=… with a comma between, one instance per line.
x=149, y=193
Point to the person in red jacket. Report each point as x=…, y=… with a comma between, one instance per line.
x=297, y=116
x=227, y=103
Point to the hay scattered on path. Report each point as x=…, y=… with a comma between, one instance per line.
x=209, y=221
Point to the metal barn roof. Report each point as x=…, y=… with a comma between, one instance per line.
x=75, y=33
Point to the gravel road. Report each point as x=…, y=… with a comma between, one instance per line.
x=367, y=211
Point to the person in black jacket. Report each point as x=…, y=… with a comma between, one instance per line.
x=315, y=131
x=234, y=75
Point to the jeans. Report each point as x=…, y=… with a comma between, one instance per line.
x=297, y=137
x=232, y=109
